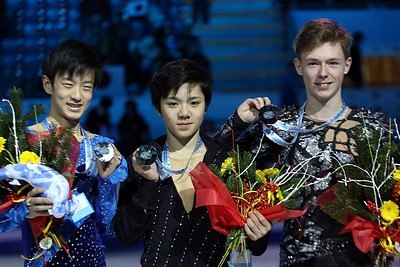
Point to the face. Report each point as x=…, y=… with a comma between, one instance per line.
x=183, y=113
x=70, y=97
x=323, y=70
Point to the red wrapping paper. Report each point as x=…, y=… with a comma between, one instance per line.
x=364, y=232
x=223, y=212
x=6, y=205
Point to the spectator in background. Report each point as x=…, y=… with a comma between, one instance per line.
x=133, y=129
x=98, y=119
x=355, y=73
x=95, y=18
x=201, y=7
x=290, y=86
x=189, y=46
x=147, y=52
x=3, y=19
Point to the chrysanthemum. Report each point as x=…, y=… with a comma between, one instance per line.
x=29, y=157
x=2, y=143
x=271, y=172
x=227, y=165
x=396, y=175
x=389, y=211
x=261, y=175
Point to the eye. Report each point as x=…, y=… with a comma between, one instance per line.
x=172, y=104
x=87, y=88
x=312, y=64
x=334, y=63
x=68, y=84
x=195, y=103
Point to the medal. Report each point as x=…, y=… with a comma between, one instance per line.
x=103, y=151
x=268, y=114
x=146, y=155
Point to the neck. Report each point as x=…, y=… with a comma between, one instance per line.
x=182, y=145
x=323, y=111
x=75, y=126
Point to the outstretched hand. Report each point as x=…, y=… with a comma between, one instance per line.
x=248, y=110
x=107, y=168
x=149, y=172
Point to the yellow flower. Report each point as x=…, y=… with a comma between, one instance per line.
x=271, y=172
x=396, y=175
x=261, y=175
x=389, y=211
x=279, y=194
x=29, y=157
x=227, y=165
x=2, y=142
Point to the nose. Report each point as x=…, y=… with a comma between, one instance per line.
x=184, y=112
x=76, y=94
x=323, y=71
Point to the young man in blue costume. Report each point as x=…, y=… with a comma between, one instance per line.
x=70, y=74
x=320, y=130
x=157, y=201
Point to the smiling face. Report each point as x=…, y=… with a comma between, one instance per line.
x=323, y=70
x=183, y=113
x=70, y=96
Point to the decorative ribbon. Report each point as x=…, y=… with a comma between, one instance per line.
x=364, y=232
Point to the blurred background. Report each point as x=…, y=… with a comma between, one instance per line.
x=245, y=44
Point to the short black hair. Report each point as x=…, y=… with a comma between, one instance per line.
x=73, y=57
x=173, y=75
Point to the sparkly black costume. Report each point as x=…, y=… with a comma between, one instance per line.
x=172, y=237
x=312, y=239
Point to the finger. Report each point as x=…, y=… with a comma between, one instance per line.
x=117, y=154
x=267, y=101
x=40, y=208
x=259, y=102
x=258, y=224
x=35, y=191
x=249, y=232
x=262, y=219
x=38, y=201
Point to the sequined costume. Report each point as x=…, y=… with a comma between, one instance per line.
x=313, y=239
x=172, y=237
x=86, y=242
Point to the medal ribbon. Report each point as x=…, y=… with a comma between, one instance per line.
x=164, y=168
x=298, y=127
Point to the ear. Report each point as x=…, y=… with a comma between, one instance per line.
x=297, y=65
x=47, y=85
x=347, y=65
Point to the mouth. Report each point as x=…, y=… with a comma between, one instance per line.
x=323, y=84
x=74, y=106
x=184, y=125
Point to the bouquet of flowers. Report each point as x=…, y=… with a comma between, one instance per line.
x=45, y=160
x=236, y=188
x=366, y=200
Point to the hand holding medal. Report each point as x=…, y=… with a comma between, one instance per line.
x=146, y=155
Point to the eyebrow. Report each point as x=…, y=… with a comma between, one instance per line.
x=68, y=78
x=315, y=59
x=177, y=99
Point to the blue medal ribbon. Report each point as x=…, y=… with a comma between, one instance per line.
x=296, y=129
x=164, y=166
